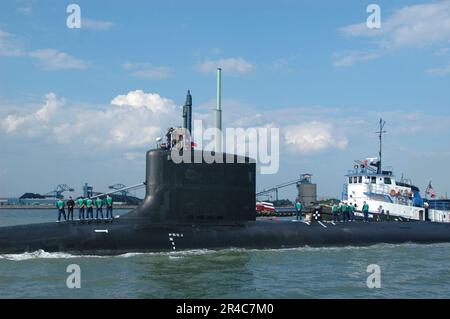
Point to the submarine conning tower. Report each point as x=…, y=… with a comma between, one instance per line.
x=196, y=190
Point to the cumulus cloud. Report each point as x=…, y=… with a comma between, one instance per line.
x=235, y=66
x=411, y=26
x=35, y=122
x=96, y=24
x=313, y=137
x=132, y=120
x=139, y=99
x=146, y=70
x=51, y=60
x=414, y=26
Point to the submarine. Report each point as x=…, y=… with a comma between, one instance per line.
x=201, y=205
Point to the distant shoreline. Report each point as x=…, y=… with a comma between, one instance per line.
x=53, y=207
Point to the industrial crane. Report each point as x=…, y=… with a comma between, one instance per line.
x=120, y=188
x=277, y=187
x=59, y=190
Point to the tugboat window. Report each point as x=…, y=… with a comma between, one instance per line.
x=360, y=179
x=374, y=180
x=387, y=180
x=350, y=180
x=355, y=179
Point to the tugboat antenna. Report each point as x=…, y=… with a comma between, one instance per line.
x=380, y=135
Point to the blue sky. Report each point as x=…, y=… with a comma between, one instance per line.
x=84, y=104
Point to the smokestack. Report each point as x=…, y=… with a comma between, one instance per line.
x=187, y=112
x=219, y=111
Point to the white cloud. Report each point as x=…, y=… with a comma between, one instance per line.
x=9, y=45
x=52, y=60
x=96, y=24
x=131, y=121
x=51, y=105
x=32, y=124
x=12, y=122
x=414, y=26
x=139, y=99
x=231, y=66
x=350, y=58
x=442, y=71
x=146, y=70
x=313, y=137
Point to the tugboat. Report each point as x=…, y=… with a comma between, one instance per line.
x=386, y=196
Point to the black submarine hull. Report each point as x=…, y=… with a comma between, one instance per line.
x=125, y=236
x=199, y=205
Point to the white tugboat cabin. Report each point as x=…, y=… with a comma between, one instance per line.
x=367, y=182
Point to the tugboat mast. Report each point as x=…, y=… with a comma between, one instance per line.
x=380, y=135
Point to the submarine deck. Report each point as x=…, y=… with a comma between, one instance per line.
x=139, y=235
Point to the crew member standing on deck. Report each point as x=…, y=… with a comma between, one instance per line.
x=99, y=205
x=109, y=207
x=352, y=212
x=70, y=206
x=90, y=209
x=81, y=207
x=298, y=208
x=365, y=210
x=60, y=205
x=335, y=211
x=344, y=211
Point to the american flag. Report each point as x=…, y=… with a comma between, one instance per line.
x=430, y=191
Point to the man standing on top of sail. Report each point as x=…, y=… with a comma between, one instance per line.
x=109, y=207
x=60, y=205
x=365, y=210
x=81, y=207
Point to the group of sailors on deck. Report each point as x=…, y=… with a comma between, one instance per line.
x=341, y=211
x=346, y=212
x=85, y=205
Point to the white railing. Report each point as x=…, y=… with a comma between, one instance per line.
x=386, y=189
x=439, y=216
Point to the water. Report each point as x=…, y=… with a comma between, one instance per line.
x=407, y=271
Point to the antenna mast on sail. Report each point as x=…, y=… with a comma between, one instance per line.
x=380, y=135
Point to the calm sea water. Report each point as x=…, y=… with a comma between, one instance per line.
x=407, y=271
